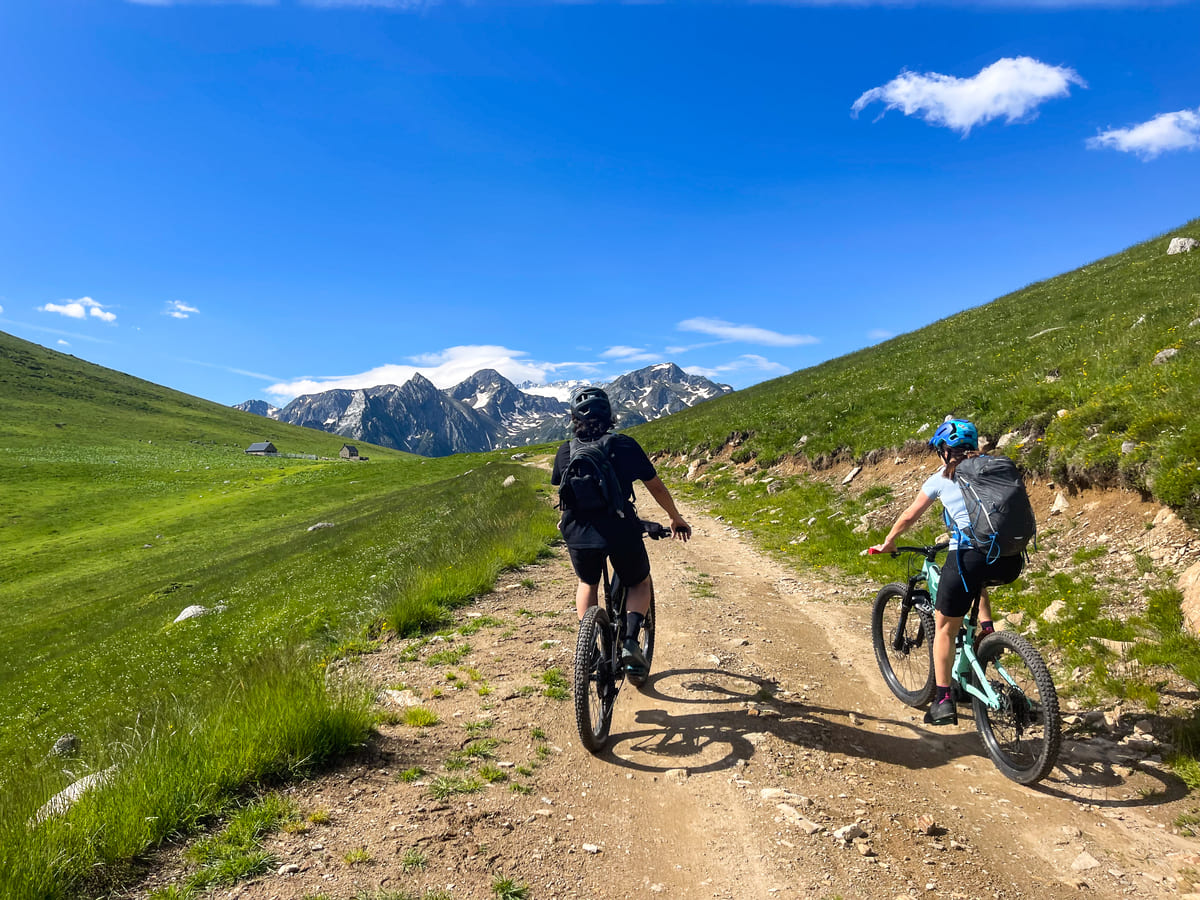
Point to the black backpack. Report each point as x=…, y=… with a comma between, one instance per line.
x=1002, y=520
x=590, y=487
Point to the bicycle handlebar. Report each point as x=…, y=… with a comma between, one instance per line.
x=928, y=552
x=654, y=530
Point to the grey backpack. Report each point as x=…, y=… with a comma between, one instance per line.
x=1002, y=519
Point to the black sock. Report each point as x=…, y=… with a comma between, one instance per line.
x=633, y=624
x=942, y=694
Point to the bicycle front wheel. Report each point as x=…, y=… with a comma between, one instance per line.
x=1022, y=734
x=903, y=638
x=595, y=688
x=646, y=639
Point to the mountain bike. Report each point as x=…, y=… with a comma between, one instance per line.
x=599, y=672
x=1009, y=686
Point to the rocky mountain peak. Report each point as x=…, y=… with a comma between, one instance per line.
x=482, y=412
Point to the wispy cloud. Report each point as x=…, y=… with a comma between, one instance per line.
x=745, y=362
x=1011, y=87
x=63, y=343
x=880, y=334
x=1, y=310
x=1165, y=132
x=445, y=368
x=631, y=354
x=80, y=309
x=177, y=309
x=747, y=334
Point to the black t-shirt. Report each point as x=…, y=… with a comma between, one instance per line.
x=631, y=464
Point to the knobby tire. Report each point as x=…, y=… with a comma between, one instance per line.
x=1023, y=736
x=908, y=669
x=594, y=688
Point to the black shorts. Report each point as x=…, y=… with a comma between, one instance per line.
x=966, y=573
x=629, y=560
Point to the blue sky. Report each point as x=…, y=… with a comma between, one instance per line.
x=263, y=199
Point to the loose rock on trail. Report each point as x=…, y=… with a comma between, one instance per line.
x=764, y=758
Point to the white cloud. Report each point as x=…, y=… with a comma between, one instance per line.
x=749, y=334
x=1010, y=87
x=1, y=310
x=747, y=361
x=80, y=309
x=880, y=334
x=631, y=354
x=1165, y=132
x=444, y=368
x=63, y=343
x=177, y=309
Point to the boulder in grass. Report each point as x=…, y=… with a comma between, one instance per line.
x=67, y=745
x=68, y=796
x=192, y=612
x=1182, y=245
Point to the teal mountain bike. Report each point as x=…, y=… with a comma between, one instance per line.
x=1004, y=677
x=599, y=672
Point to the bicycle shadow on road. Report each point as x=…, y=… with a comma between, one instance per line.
x=712, y=740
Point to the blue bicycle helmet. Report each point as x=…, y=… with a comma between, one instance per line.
x=955, y=434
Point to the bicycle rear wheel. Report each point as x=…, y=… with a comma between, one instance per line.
x=1023, y=735
x=595, y=687
x=903, y=639
x=646, y=640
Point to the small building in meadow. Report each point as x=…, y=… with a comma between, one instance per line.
x=349, y=451
x=262, y=448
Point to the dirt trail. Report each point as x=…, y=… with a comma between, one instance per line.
x=765, y=719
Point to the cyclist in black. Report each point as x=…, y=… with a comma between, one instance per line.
x=592, y=539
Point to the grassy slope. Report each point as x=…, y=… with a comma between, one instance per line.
x=1082, y=342
x=127, y=502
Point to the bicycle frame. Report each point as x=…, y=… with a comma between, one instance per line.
x=966, y=663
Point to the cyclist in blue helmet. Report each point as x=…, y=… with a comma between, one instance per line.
x=966, y=572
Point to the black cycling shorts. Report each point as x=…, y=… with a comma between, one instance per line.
x=629, y=560
x=965, y=574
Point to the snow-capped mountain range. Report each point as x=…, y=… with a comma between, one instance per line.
x=484, y=412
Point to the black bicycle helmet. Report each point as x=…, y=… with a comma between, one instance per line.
x=591, y=405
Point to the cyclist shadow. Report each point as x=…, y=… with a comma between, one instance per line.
x=1084, y=775
x=712, y=740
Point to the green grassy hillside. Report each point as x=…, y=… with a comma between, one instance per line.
x=1082, y=343
x=1069, y=365
x=125, y=503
